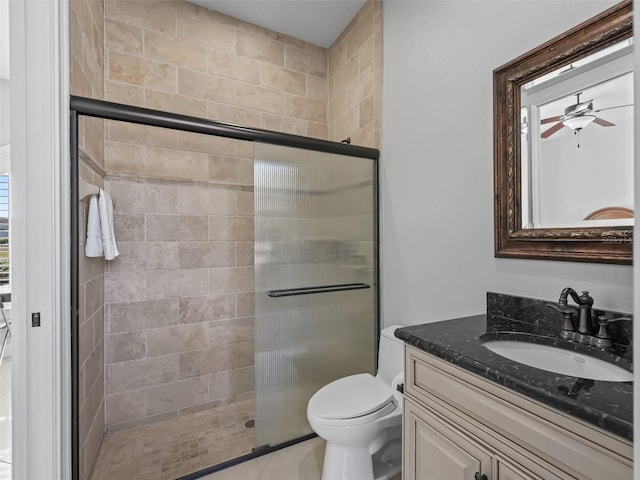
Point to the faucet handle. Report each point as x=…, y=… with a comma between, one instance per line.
x=603, y=337
x=567, y=314
x=563, y=309
x=607, y=320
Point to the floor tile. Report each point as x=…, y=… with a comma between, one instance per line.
x=246, y=471
x=176, y=447
x=299, y=462
x=302, y=461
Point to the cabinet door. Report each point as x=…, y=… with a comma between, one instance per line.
x=508, y=472
x=437, y=451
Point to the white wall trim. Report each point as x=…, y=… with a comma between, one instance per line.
x=40, y=226
x=5, y=159
x=636, y=249
x=19, y=363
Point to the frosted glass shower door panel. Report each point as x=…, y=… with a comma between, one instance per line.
x=315, y=271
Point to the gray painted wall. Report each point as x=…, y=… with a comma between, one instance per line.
x=437, y=160
x=4, y=112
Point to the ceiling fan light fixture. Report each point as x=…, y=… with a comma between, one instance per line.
x=578, y=123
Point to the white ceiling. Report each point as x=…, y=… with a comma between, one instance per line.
x=317, y=21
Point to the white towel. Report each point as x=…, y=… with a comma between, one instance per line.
x=93, y=246
x=105, y=207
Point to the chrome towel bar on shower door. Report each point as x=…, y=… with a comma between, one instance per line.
x=289, y=292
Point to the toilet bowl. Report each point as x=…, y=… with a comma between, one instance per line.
x=360, y=417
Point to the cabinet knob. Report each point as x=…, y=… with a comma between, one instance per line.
x=480, y=476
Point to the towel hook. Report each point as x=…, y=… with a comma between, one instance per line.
x=87, y=189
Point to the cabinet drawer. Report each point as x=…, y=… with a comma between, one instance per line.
x=573, y=447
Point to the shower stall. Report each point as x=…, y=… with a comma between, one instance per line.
x=247, y=279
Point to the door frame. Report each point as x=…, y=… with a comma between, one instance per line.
x=40, y=239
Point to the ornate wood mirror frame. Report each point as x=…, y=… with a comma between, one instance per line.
x=595, y=244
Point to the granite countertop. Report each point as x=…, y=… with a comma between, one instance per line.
x=608, y=405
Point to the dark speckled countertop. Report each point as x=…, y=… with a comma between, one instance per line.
x=608, y=405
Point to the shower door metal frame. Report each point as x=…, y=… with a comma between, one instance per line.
x=82, y=106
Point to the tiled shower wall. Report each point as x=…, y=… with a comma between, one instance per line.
x=91, y=335
x=180, y=330
x=179, y=334
x=86, y=58
x=183, y=58
x=355, y=79
x=178, y=57
x=180, y=300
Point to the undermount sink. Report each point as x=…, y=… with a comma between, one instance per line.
x=557, y=360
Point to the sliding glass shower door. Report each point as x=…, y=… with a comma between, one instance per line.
x=315, y=280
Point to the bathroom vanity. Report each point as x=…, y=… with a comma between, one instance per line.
x=471, y=413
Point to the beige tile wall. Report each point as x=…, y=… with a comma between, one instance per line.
x=157, y=153
x=91, y=336
x=180, y=297
x=86, y=58
x=86, y=61
x=179, y=300
x=183, y=58
x=355, y=79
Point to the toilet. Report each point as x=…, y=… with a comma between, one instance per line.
x=360, y=417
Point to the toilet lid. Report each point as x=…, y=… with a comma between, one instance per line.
x=349, y=397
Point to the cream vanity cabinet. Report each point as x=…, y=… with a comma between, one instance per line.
x=459, y=426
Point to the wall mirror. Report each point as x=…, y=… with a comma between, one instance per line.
x=563, y=145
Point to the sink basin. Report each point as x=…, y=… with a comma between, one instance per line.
x=557, y=360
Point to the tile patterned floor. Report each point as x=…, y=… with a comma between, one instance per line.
x=172, y=448
x=5, y=419
x=302, y=461
x=299, y=462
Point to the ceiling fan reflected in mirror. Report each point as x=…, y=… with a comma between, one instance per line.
x=576, y=117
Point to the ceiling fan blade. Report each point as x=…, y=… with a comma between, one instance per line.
x=552, y=130
x=603, y=123
x=617, y=106
x=550, y=119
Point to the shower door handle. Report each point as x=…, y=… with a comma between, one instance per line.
x=290, y=292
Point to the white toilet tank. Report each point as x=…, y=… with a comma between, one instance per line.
x=390, y=355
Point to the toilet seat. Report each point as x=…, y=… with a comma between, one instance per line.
x=352, y=400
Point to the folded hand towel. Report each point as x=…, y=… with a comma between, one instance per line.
x=93, y=246
x=105, y=206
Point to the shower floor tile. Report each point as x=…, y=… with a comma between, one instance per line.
x=172, y=448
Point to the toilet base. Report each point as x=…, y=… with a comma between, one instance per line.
x=347, y=463
x=356, y=463
x=387, y=463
